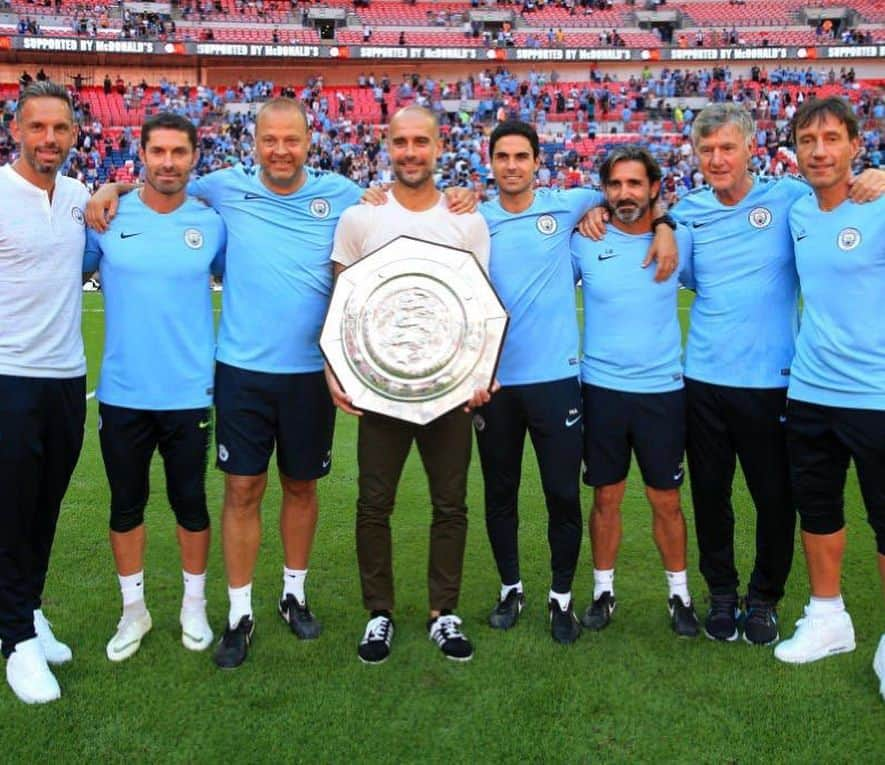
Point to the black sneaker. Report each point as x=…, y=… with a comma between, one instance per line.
x=445, y=631
x=506, y=612
x=599, y=613
x=374, y=648
x=299, y=618
x=760, y=622
x=233, y=647
x=722, y=618
x=683, y=619
x=564, y=627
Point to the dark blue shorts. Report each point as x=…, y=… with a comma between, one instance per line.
x=651, y=425
x=257, y=411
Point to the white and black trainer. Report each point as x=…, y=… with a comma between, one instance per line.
x=374, y=648
x=445, y=631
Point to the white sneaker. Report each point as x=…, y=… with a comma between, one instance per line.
x=55, y=651
x=817, y=637
x=879, y=665
x=130, y=630
x=196, y=634
x=29, y=675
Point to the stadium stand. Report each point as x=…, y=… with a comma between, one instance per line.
x=568, y=23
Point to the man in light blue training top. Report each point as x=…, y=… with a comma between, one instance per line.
x=155, y=388
x=270, y=389
x=737, y=365
x=530, y=267
x=836, y=405
x=631, y=374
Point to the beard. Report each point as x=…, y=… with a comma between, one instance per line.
x=43, y=167
x=413, y=181
x=629, y=213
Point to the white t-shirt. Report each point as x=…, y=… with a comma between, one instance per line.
x=364, y=228
x=41, y=266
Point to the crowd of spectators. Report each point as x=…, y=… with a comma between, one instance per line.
x=604, y=110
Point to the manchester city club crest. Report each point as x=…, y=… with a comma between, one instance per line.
x=546, y=224
x=848, y=238
x=760, y=217
x=320, y=208
x=193, y=238
x=77, y=215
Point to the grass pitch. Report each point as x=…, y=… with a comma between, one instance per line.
x=633, y=693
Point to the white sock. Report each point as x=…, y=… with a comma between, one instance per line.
x=825, y=606
x=603, y=581
x=240, y=603
x=194, y=589
x=132, y=590
x=293, y=583
x=505, y=588
x=677, y=582
x=562, y=598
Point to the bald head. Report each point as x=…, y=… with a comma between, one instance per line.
x=282, y=143
x=413, y=115
x=414, y=146
x=281, y=106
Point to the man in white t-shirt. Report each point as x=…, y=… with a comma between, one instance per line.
x=42, y=375
x=414, y=208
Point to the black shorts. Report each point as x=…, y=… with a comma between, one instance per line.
x=128, y=440
x=259, y=410
x=821, y=440
x=650, y=424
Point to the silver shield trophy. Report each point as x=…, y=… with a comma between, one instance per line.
x=413, y=329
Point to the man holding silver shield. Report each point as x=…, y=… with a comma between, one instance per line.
x=414, y=208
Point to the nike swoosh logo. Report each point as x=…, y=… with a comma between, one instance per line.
x=252, y=196
x=800, y=238
x=129, y=236
x=569, y=421
x=203, y=425
x=195, y=638
x=678, y=476
x=698, y=224
x=124, y=647
x=326, y=463
x=608, y=257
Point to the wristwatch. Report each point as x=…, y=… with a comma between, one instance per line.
x=665, y=219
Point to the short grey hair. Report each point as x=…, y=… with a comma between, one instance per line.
x=44, y=89
x=717, y=116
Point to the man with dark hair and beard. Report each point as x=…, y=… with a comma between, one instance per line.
x=631, y=374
